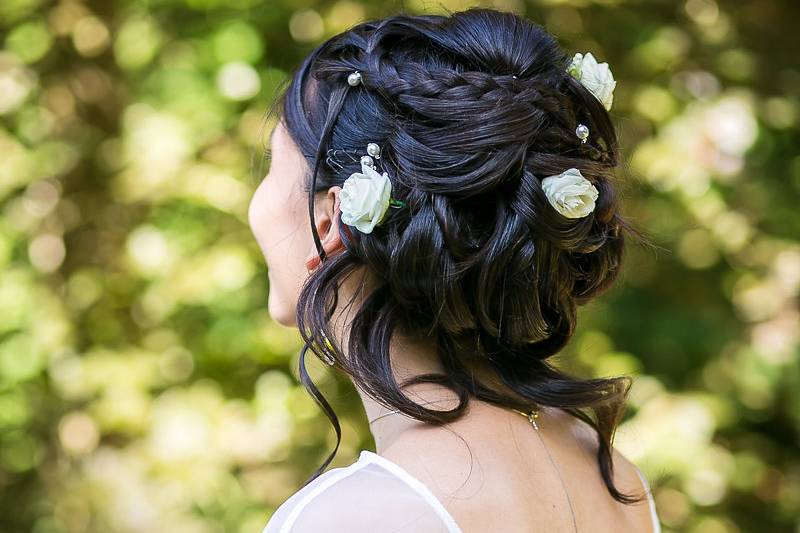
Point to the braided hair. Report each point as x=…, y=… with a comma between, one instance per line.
x=470, y=110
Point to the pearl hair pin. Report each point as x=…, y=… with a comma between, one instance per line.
x=354, y=78
x=582, y=131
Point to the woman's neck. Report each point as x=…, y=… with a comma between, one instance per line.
x=408, y=360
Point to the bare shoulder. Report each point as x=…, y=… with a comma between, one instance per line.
x=628, y=480
x=626, y=473
x=627, y=477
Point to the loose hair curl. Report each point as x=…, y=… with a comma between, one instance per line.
x=471, y=111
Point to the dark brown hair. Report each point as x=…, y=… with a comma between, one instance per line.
x=471, y=111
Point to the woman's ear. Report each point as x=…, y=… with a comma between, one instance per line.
x=326, y=218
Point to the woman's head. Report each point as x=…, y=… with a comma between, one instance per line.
x=471, y=112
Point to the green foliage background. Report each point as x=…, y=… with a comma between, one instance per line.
x=143, y=386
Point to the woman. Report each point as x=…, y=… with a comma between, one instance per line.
x=439, y=202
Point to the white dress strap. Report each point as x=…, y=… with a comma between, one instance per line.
x=418, y=486
x=370, y=495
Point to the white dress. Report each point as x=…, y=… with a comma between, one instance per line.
x=373, y=494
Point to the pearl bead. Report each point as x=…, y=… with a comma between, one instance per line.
x=374, y=150
x=367, y=160
x=354, y=78
x=582, y=131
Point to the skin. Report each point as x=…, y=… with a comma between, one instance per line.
x=278, y=216
x=487, y=439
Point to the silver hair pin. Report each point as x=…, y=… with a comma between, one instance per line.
x=582, y=131
x=333, y=159
x=373, y=152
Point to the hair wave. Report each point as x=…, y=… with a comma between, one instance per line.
x=471, y=110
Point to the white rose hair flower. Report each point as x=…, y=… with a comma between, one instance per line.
x=596, y=77
x=364, y=198
x=570, y=193
x=365, y=195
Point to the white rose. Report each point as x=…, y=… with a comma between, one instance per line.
x=596, y=77
x=570, y=193
x=364, y=198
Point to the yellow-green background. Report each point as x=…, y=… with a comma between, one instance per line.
x=143, y=386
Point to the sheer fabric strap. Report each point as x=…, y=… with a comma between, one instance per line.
x=650, y=501
x=361, y=498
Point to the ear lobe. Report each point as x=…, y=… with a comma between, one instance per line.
x=330, y=245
